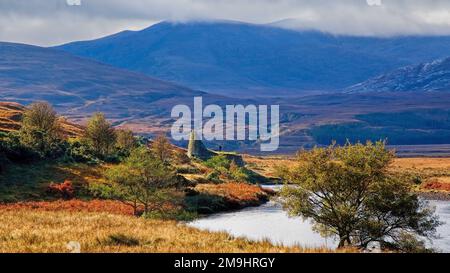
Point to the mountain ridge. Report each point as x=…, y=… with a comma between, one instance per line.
x=424, y=77
x=229, y=58
x=77, y=85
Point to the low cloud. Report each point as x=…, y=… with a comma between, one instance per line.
x=51, y=22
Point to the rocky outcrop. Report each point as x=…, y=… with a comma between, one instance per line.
x=425, y=77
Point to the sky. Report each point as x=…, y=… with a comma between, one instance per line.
x=53, y=22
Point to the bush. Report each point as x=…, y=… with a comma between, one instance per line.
x=407, y=243
x=81, y=151
x=224, y=167
x=214, y=177
x=64, y=190
x=238, y=173
x=125, y=141
x=13, y=150
x=218, y=162
x=162, y=148
x=100, y=135
x=41, y=130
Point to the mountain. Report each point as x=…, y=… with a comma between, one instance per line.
x=229, y=57
x=425, y=77
x=78, y=87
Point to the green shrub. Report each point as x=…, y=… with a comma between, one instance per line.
x=214, y=177
x=81, y=151
x=101, y=135
x=238, y=173
x=13, y=150
x=407, y=243
x=218, y=162
x=125, y=141
x=223, y=166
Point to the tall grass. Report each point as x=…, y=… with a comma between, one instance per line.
x=26, y=231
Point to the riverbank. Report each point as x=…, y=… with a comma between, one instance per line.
x=436, y=196
x=271, y=222
x=31, y=231
x=214, y=198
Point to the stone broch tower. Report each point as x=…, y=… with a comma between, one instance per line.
x=196, y=149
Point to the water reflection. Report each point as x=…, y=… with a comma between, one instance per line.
x=270, y=222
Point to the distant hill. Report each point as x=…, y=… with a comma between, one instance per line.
x=425, y=77
x=78, y=87
x=228, y=57
x=11, y=116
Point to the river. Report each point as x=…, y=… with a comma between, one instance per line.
x=269, y=221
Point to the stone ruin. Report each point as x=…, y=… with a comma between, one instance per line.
x=196, y=149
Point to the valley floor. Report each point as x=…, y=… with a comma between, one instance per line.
x=431, y=175
x=48, y=225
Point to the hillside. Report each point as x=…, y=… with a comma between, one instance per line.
x=11, y=115
x=228, y=57
x=425, y=77
x=78, y=87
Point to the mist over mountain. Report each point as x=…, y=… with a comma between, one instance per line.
x=425, y=77
x=229, y=57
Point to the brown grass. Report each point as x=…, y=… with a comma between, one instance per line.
x=440, y=184
x=434, y=172
x=25, y=231
x=422, y=163
x=104, y=206
x=235, y=192
x=267, y=166
x=11, y=116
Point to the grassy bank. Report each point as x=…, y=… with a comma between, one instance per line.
x=212, y=198
x=431, y=175
x=25, y=230
x=29, y=182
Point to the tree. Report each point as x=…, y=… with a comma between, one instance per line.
x=348, y=192
x=40, y=129
x=142, y=179
x=100, y=134
x=162, y=148
x=125, y=140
